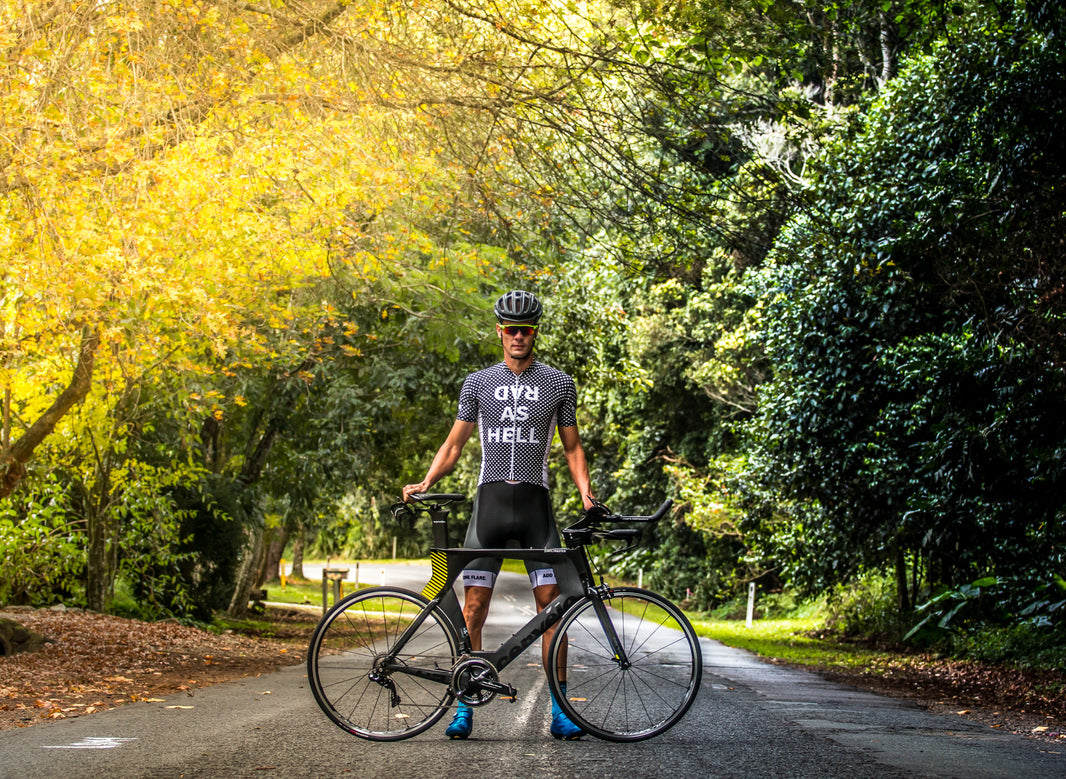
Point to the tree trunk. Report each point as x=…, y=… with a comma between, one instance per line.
x=253, y=560
x=298, y=552
x=276, y=539
x=887, y=39
x=5, y=441
x=13, y=459
x=254, y=548
x=97, y=576
x=903, y=596
x=99, y=573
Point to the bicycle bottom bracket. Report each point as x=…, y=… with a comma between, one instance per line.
x=475, y=681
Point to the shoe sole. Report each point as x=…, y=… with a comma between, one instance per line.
x=574, y=737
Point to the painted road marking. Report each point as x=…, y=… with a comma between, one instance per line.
x=92, y=742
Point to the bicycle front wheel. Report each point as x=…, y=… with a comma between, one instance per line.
x=640, y=695
x=349, y=679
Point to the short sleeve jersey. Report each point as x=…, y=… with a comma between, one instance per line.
x=516, y=418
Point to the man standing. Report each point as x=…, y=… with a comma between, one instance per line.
x=517, y=405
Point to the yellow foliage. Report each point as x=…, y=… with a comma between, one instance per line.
x=179, y=177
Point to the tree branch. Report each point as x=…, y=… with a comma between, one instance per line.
x=13, y=461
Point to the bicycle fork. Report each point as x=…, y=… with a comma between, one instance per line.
x=618, y=651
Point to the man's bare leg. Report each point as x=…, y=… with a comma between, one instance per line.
x=544, y=595
x=561, y=726
x=475, y=611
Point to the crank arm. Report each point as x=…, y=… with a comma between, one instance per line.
x=505, y=690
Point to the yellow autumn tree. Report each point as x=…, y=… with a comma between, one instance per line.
x=179, y=179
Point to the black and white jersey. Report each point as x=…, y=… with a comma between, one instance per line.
x=516, y=418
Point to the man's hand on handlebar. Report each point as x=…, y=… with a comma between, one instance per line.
x=595, y=513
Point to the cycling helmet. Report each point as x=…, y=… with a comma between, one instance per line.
x=518, y=306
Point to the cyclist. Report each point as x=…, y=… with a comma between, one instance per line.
x=517, y=405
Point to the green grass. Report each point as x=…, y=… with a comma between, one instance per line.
x=299, y=592
x=221, y=624
x=787, y=640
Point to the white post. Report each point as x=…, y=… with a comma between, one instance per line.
x=751, y=604
x=357, y=575
x=640, y=578
x=394, y=547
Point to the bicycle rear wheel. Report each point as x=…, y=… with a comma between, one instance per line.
x=347, y=678
x=638, y=699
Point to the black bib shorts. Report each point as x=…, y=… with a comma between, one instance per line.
x=510, y=515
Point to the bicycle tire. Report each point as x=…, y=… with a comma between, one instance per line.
x=345, y=646
x=634, y=703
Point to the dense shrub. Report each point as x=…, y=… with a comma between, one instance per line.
x=42, y=548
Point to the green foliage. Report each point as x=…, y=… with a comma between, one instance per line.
x=153, y=552
x=359, y=527
x=911, y=320
x=1024, y=645
x=42, y=548
x=1016, y=622
x=867, y=607
x=993, y=602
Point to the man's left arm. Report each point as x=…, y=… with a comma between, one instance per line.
x=576, y=462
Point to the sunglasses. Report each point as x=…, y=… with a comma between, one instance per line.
x=525, y=330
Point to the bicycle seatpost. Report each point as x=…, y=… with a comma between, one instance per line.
x=439, y=515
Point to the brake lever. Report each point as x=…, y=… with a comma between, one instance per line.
x=629, y=547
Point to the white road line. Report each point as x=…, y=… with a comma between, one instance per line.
x=92, y=742
x=526, y=701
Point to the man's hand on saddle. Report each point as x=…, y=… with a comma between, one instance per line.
x=412, y=489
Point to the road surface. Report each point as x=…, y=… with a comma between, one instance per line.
x=750, y=719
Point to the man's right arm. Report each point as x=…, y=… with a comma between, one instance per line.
x=446, y=458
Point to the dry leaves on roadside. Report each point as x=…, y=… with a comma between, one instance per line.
x=98, y=662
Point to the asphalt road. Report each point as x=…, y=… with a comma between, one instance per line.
x=750, y=719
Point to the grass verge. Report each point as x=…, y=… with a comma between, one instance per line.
x=788, y=640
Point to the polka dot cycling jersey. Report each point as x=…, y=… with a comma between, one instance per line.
x=517, y=417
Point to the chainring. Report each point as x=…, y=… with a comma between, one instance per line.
x=467, y=677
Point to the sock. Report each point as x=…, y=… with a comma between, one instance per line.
x=556, y=709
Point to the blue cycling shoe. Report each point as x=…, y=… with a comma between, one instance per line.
x=462, y=723
x=563, y=728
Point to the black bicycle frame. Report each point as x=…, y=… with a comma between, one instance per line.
x=573, y=574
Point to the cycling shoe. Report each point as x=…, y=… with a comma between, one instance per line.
x=563, y=728
x=462, y=723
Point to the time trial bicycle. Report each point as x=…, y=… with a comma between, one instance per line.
x=386, y=663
